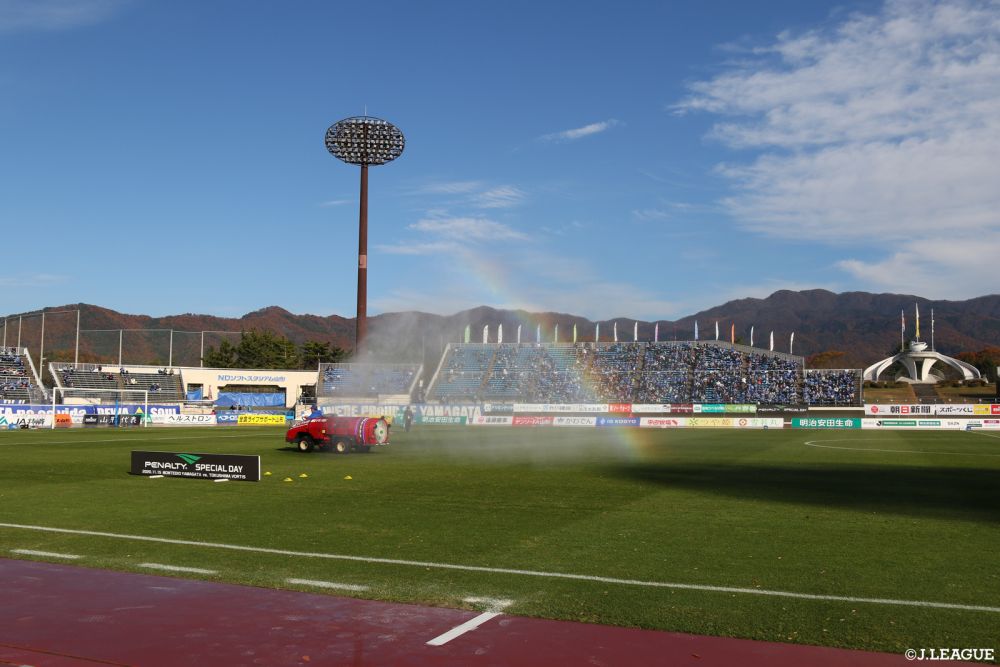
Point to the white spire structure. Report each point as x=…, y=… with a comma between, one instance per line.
x=917, y=361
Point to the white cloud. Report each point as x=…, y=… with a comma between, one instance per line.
x=32, y=280
x=883, y=130
x=448, y=188
x=650, y=214
x=336, y=202
x=504, y=196
x=55, y=14
x=580, y=132
x=470, y=229
x=432, y=248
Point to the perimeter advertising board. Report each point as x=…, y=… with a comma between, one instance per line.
x=235, y=467
x=828, y=422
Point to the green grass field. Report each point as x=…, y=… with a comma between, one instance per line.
x=889, y=515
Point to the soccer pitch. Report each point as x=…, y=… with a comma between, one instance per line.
x=861, y=539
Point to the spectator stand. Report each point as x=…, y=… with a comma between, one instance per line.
x=367, y=381
x=833, y=388
x=19, y=381
x=163, y=384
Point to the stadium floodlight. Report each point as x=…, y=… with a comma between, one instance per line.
x=364, y=140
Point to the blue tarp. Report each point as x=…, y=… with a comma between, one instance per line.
x=269, y=400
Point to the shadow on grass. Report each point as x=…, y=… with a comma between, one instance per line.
x=966, y=493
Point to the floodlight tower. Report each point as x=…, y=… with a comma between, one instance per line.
x=364, y=140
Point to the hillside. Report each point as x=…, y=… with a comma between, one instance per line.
x=848, y=330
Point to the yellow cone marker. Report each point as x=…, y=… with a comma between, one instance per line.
x=303, y=475
x=348, y=477
x=288, y=479
x=267, y=474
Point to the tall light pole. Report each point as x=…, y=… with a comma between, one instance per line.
x=364, y=140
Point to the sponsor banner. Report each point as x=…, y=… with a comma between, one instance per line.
x=895, y=409
x=710, y=422
x=651, y=408
x=236, y=467
x=781, y=409
x=432, y=419
x=740, y=408
x=248, y=419
x=498, y=408
x=112, y=420
x=709, y=407
x=953, y=410
x=532, y=421
x=492, y=420
x=758, y=422
x=617, y=421
x=13, y=423
x=184, y=420
x=226, y=417
x=620, y=408
x=929, y=410
x=681, y=408
x=394, y=412
x=917, y=423
x=826, y=422
x=270, y=379
x=662, y=422
x=561, y=407
x=575, y=421
x=63, y=420
x=77, y=411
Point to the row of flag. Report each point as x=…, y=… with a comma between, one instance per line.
x=597, y=334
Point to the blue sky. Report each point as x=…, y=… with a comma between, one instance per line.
x=633, y=159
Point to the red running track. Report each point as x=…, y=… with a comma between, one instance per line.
x=61, y=616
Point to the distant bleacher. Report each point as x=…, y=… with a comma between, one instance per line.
x=16, y=376
x=367, y=380
x=162, y=384
x=669, y=372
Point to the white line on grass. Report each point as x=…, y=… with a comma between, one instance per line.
x=503, y=570
x=85, y=441
x=49, y=554
x=327, y=584
x=812, y=443
x=176, y=568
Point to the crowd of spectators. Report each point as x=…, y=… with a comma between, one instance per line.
x=823, y=387
x=673, y=372
x=367, y=379
x=14, y=382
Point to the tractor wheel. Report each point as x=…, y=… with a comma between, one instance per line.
x=342, y=447
x=305, y=443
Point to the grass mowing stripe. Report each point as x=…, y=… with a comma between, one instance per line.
x=503, y=570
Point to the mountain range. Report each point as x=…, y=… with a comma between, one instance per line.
x=846, y=330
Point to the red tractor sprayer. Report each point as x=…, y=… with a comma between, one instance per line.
x=341, y=434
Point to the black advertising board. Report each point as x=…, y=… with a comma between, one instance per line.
x=235, y=467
